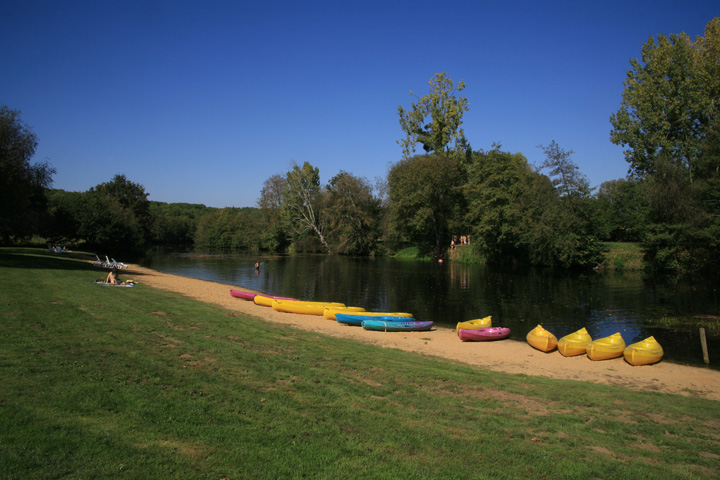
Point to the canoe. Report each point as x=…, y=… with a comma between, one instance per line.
x=330, y=312
x=644, y=352
x=266, y=300
x=384, y=326
x=483, y=334
x=241, y=294
x=477, y=323
x=541, y=339
x=305, y=308
x=574, y=344
x=383, y=314
x=351, y=319
x=606, y=348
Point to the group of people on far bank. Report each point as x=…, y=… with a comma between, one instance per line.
x=463, y=240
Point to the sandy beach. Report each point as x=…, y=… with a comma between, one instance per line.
x=502, y=356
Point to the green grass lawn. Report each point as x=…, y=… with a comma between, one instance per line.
x=102, y=382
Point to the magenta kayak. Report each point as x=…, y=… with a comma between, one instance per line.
x=251, y=296
x=483, y=334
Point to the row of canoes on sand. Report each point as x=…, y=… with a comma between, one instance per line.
x=644, y=352
x=344, y=315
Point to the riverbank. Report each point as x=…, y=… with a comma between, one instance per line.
x=503, y=356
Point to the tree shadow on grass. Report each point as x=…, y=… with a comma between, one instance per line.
x=34, y=258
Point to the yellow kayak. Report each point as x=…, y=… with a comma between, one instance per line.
x=575, y=343
x=541, y=339
x=606, y=348
x=644, y=352
x=330, y=312
x=474, y=324
x=306, y=308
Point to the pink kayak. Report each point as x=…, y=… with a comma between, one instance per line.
x=241, y=294
x=483, y=334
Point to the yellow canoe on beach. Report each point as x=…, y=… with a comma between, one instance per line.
x=541, y=339
x=330, y=312
x=606, y=348
x=574, y=344
x=474, y=324
x=644, y=352
x=305, y=308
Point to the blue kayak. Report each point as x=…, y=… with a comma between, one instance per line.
x=396, y=326
x=350, y=319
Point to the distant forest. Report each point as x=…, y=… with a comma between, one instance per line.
x=508, y=211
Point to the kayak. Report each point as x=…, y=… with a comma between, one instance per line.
x=330, y=312
x=266, y=300
x=241, y=294
x=483, y=334
x=606, y=348
x=351, y=319
x=644, y=352
x=541, y=339
x=305, y=308
x=472, y=324
x=403, y=326
x=575, y=343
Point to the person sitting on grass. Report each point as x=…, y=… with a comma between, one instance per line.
x=112, y=277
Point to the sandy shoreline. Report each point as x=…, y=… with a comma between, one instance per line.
x=504, y=356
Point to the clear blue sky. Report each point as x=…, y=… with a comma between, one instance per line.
x=201, y=102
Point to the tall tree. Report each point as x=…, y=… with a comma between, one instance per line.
x=424, y=195
x=564, y=173
x=22, y=184
x=670, y=100
x=272, y=196
x=352, y=213
x=622, y=210
x=301, y=202
x=117, y=216
x=435, y=119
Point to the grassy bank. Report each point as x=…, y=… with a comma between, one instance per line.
x=622, y=257
x=102, y=382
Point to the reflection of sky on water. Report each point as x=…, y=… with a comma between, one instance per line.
x=608, y=322
x=449, y=293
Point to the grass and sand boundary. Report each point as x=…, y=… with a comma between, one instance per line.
x=149, y=382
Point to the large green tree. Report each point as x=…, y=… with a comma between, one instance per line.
x=670, y=100
x=275, y=230
x=352, y=213
x=623, y=209
x=302, y=201
x=425, y=193
x=435, y=119
x=518, y=216
x=564, y=173
x=116, y=216
x=22, y=184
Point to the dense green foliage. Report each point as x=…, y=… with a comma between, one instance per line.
x=424, y=197
x=670, y=100
x=22, y=203
x=669, y=121
x=435, y=120
x=165, y=387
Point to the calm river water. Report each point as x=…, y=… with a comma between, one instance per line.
x=449, y=293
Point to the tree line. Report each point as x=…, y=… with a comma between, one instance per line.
x=512, y=211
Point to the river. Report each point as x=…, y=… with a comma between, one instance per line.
x=448, y=293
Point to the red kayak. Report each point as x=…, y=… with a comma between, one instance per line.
x=483, y=334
